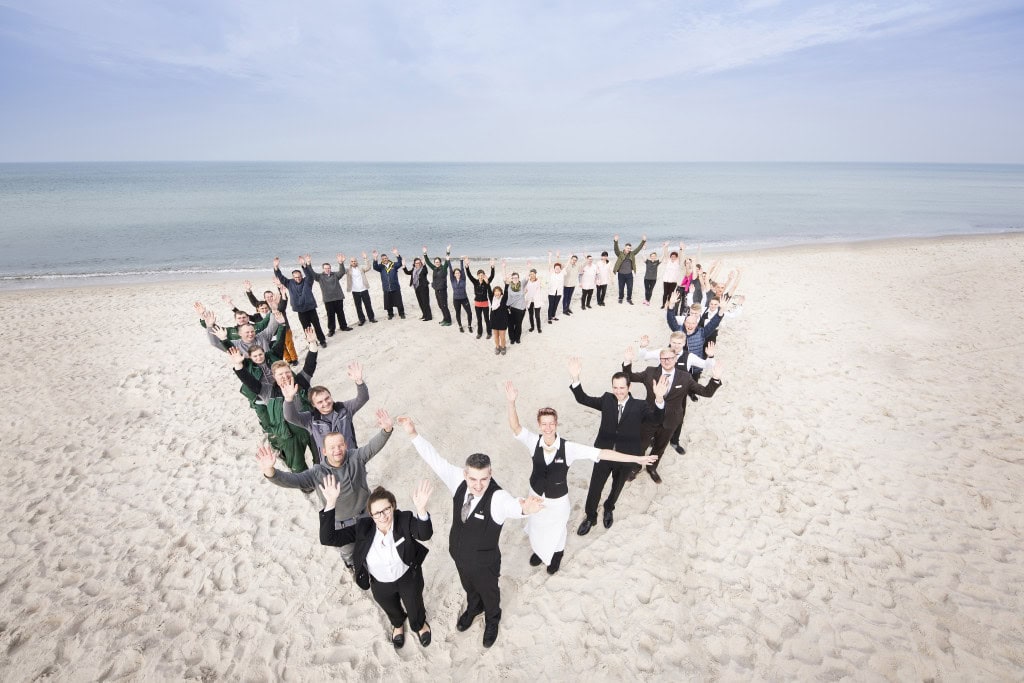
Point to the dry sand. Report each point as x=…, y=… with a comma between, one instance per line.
x=849, y=506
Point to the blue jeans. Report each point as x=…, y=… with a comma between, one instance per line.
x=626, y=282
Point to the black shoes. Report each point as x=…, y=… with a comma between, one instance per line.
x=399, y=640
x=330, y=333
x=363, y=322
x=679, y=449
x=556, y=562
x=465, y=620
x=632, y=473
x=655, y=477
x=425, y=636
x=323, y=343
x=608, y=519
x=585, y=527
x=345, y=329
x=535, y=561
x=490, y=633
x=478, y=334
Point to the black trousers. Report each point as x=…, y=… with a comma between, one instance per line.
x=626, y=283
x=602, y=290
x=534, y=312
x=393, y=300
x=649, y=288
x=463, y=304
x=407, y=591
x=553, y=305
x=308, y=318
x=441, y=296
x=668, y=288
x=586, y=297
x=567, y=298
x=483, y=316
x=618, y=471
x=515, y=324
x=423, y=299
x=335, y=311
x=362, y=300
x=482, y=592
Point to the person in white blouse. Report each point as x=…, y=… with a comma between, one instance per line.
x=556, y=285
x=588, y=281
x=552, y=456
x=388, y=554
x=534, y=299
x=480, y=507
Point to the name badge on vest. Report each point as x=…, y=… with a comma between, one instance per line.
x=400, y=541
x=478, y=515
x=559, y=460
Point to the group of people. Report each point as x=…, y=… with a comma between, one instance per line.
x=382, y=545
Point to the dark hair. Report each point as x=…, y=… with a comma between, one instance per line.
x=267, y=291
x=558, y=264
x=547, y=411
x=479, y=461
x=674, y=253
x=621, y=375
x=318, y=389
x=326, y=264
x=604, y=253
x=297, y=271
x=381, y=493
x=628, y=244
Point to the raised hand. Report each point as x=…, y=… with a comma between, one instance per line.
x=308, y=259
x=235, y=358
x=340, y=257
x=364, y=255
x=448, y=249
x=311, y=336
x=210, y=318
x=660, y=389
x=575, y=368
x=424, y=249
x=219, y=332
x=616, y=238
x=493, y=262
x=629, y=355
x=643, y=238
x=394, y=250
x=710, y=349
x=421, y=495
x=265, y=458
x=279, y=317
x=355, y=372
x=248, y=285
x=375, y=254
x=200, y=309
x=716, y=372
x=384, y=420
x=408, y=425
x=288, y=387
x=331, y=490
x=511, y=393
x=644, y=341
x=664, y=245
x=277, y=262
x=673, y=299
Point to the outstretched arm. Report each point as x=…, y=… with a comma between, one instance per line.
x=448, y=473
x=511, y=393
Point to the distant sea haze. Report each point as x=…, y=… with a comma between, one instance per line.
x=83, y=220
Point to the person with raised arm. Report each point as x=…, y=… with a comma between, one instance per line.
x=348, y=466
x=534, y=299
x=556, y=286
x=328, y=416
x=588, y=281
x=499, y=320
x=333, y=295
x=387, y=555
x=300, y=290
x=672, y=275
x=460, y=298
x=622, y=420
x=516, y=298
x=275, y=299
x=389, y=281
x=440, y=282
x=681, y=385
x=420, y=284
x=625, y=266
x=572, y=280
x=481, y=297
x=479, y=509
x=603, y=277
x=696, y=335
x=552, y=456
x=356, y=282
x=247, y=335
x=650, y=276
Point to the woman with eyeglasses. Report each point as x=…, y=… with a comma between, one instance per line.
x=388, y=555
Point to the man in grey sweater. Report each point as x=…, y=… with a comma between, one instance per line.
x=333, y=296
x=348, y=468
x=327, y=416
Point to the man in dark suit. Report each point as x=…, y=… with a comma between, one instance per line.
x=622, y=418
x=672, y=368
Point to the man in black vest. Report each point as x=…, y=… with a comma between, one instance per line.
x=622, y=418
x=480, y=507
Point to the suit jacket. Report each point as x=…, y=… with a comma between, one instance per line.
x=408, y=530
x=683, y=384
x=620, y=435
x=424, y=279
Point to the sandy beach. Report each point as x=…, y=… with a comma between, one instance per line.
x=849, y=505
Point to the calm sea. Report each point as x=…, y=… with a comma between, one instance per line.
x=86, y=220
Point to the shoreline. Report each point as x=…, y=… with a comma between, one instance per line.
x=206, y=276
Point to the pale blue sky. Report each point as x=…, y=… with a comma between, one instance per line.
x=754, y=80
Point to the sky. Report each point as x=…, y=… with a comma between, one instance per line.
x=512, y=80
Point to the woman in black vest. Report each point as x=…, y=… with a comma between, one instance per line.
x=388, y=556
x=552, y=457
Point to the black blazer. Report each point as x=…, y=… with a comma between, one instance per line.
x=622, y=436
x=424, y=280
x=409, y=530
x=683, y=384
